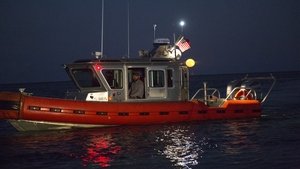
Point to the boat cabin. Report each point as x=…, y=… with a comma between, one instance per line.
x=110, y=80
x=164, y=78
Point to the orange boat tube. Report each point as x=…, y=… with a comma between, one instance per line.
x=20, y=107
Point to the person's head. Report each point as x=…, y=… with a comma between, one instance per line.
x=136, y=75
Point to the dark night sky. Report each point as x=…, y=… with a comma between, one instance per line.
x=227, y=36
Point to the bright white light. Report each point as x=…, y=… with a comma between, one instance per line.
x=181, y=23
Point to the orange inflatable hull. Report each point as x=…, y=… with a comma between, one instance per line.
x=16, y=106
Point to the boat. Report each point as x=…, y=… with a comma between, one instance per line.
x=103, y=88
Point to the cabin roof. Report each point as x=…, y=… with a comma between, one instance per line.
x=133, y=60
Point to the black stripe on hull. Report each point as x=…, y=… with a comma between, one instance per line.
x=9, y=105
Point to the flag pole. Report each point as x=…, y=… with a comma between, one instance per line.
x=174, y=39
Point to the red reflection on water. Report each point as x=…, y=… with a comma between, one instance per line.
x=100, y=152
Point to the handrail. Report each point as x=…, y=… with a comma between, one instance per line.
x=249, y=91
x=236, y=89
x=208, y=89
x=270, y=89
x=264, y=78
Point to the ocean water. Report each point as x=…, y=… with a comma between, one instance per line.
x=272, y=141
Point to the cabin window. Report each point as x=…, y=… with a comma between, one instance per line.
x=156, y=78
x=114, y=78
x=85, y=78
x=170, y=77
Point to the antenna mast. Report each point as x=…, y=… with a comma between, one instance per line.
x=128, y=40
x=102, y=28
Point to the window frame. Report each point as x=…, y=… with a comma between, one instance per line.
x=158, y=84
x=120, y=73
x=170, y=79
x=82, y=83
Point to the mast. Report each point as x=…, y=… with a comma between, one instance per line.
x=102, y=28
x=128, y=40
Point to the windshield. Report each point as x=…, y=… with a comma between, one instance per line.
x=85, y=78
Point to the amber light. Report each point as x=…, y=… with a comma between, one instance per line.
x=190, y=63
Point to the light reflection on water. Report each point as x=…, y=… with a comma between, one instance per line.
x=177, y=145
x=129, y=147
x=100, y=151
x=209, y=145
x=181, y=146
x=60, y=149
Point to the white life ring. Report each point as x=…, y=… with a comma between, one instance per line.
x=243, y=94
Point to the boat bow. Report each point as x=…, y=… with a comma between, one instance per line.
x=10, y=104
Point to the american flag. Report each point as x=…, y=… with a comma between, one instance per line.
x=183, y=44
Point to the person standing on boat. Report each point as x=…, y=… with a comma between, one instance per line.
x=136, y=90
